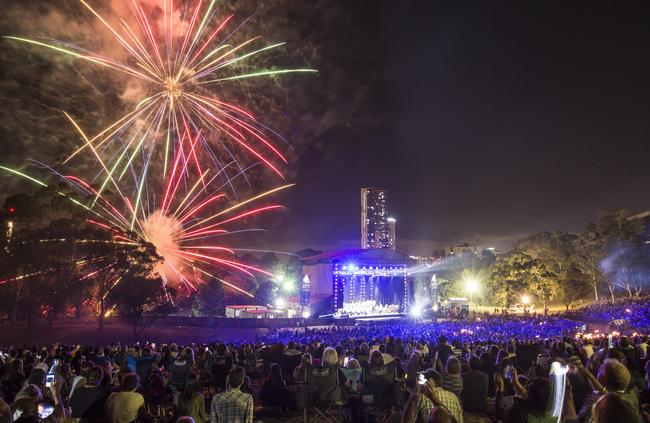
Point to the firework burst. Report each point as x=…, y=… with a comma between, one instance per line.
x=184, y=232
x=182, y=64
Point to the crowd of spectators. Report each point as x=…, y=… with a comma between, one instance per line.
x=634, y=310
x=489, y=369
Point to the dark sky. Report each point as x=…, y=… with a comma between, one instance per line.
x=492, y=120
x=486, y=120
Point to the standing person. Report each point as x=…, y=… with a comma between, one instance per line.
x=13, y=380
x=125, y=406
x=444, y=350
x=451, y=379
x=87, y=402
x=233, y=406
x=475, y=387
x=191, y=401
x=181, y=368
x=299, y=372
x=274, y=390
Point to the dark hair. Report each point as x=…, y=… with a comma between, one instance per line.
x=95, y=376
x=192, y=387
x=474, y=363
x=434, y=375
x=376, y=359
x=275, y=373
x=539, y=393
x=236, y=377
x=130, y=382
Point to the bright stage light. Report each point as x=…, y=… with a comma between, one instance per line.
x=471, y=285
x=435, y=308
x=525, y=299
x=416, y=312
x=288, y=286
x=279, y=278
x=306, y=313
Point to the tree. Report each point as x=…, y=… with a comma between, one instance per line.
x=134, y=294
x=573, y=286
x=516, y=273
x=210, y=299
x=601, y=240
x=137, y=289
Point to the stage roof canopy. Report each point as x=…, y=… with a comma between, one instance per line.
x=361, y=257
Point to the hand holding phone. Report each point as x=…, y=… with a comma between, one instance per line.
x=49, y=380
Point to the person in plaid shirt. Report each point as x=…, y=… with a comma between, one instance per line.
x=233, y=405
x=444, y=398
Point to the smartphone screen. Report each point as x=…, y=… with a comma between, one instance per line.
x=507, y=372
x=345, y=361
x=45, y=410
x=421, y=379
x=49, y=379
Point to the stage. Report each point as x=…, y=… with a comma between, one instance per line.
x=359, y=283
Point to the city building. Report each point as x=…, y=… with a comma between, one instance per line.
x=392, y=238
x=376, y=229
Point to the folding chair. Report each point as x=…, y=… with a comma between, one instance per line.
x=380, y=387
x=323, y=394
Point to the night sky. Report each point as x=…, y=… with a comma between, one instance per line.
x=493, y=120
x=487, y=121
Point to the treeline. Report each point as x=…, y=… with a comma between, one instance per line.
x=54, y=260
x=609, y=257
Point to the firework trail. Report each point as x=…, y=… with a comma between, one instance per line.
x=182, y=64
x=189, y=233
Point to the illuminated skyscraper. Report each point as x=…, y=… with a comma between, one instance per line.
x=376, y=229
x=392, y=222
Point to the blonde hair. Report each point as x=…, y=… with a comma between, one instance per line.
x=330, y=357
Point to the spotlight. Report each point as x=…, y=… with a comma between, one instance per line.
x=416, y=312
x=287, y=285
x=525, y=299
x=471, y=285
